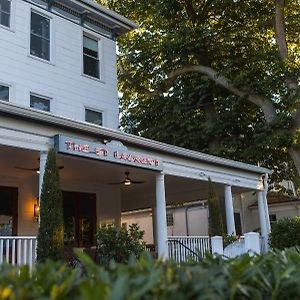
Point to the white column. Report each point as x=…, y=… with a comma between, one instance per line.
x=262, y=215
x=266, y=208
x=161, y=218
x=229, y=211
x=43, y=159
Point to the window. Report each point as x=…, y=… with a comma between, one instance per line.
x=4, y=92
x=40, y=36
x=273, y=219
x=170, y=219
x=90, y=57
x=94, y=117
x=39, y=103
x=238, y=223
x=5, y=7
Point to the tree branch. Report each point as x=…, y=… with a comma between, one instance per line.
x=264, y=103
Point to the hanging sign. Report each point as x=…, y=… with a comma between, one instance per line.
x=113, y=151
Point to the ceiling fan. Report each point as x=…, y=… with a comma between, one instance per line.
x=37, y=170
x=128, y=180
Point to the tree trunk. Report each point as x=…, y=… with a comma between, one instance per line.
x=295, y=155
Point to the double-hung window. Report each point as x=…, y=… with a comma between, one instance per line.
x=95, y=117
x=5, y=12
x=4, y=92
x=91, y=57
x=38, y=102
x=40, y=36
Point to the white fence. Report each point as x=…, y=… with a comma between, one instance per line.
x=183, y=247
x=236, y=248
x=18, y=250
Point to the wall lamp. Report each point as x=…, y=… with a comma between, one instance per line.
x=36, y=209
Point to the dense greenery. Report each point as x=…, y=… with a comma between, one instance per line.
x=285, y=233
x=275, y=276
x=215, y=76
x=50, y=240
x=119, y=243
x=215, y=220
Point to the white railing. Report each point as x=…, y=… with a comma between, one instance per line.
x=181, y=248
x=18, y=250
x=236, y=248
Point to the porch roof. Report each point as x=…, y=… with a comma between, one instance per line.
x=22, y=112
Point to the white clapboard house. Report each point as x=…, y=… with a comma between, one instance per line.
x=58, y=88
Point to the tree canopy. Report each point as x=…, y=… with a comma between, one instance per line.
x=216, y=76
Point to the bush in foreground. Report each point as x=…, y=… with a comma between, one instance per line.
x=275, y=275
x=285, y=233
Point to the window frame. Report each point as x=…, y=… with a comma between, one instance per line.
x=42, y=97
x=170, y=219
x=94, y=110
x=10, y=16
x=9, y=90
x=97, y=38
x=51, y=36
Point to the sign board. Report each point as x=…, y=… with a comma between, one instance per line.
x=113, y=151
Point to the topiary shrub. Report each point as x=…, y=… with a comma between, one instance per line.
x=119, y=244
x=215, y=220
x=50, y=239
x=285, y=233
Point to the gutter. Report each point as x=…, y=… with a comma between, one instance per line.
x=24, y=112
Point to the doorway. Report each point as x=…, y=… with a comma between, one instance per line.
x=8, y=211
x=79, y=219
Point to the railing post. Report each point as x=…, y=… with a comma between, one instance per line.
x=252, y=243
x=217, y=245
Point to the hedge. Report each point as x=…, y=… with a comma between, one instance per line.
x=275, y=275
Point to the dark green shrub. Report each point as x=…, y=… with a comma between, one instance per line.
x=50, y=240
x=119, y=244
x=275, y=276
x=285, y=233
x=215, y=220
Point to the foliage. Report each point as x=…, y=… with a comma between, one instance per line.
x=215, y=220
x=165, y=99
x=273, y=276
x=50, y=240
x=229, y=239
x=285, y=233
x=119, y=244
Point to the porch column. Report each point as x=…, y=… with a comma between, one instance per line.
x=161, y=217
x=43, y=159
x=229, y=211
x=267, y=216
x=263, y=218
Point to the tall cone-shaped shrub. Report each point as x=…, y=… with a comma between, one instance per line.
x=215, y=220
x=50, y=241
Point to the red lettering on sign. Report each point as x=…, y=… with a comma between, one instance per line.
x=101, y=151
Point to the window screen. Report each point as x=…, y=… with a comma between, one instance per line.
x=40, y=36
x=90, y=57
x=5, y=8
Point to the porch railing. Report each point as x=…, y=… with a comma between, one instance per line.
x=183, y=247
x=18, y=250
x=235, y=249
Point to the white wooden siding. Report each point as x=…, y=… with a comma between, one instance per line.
x=61, y=79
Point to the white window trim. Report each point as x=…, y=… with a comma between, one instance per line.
x=95, y=110
x=12, y=21
x=99, y=38
x=43, y=97
x=52, y=35
x=10, y=86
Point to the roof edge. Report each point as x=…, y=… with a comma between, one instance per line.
x=25, y=112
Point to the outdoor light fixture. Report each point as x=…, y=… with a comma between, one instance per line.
x=127, y=181
x=36, y=209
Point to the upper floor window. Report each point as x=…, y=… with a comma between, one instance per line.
x=5, y=7
x=91, y=57
x=94, y=117
x=4, y=92
x=40, y=36
x=39, y=102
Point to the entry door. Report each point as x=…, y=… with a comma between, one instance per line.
x=8, y=211
x=79, y=219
